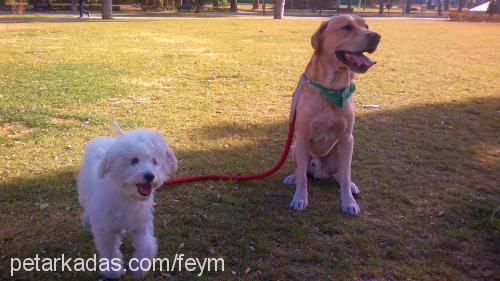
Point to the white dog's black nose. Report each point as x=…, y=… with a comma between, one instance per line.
x=149, y=177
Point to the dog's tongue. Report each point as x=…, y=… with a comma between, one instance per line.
x=144, y=188
x=360, y=60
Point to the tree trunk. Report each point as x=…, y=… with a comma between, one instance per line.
x=255, y=4
x=279, y=9
x=408, y=7
x=107, y=9
x=234, y=6
x=264, y=7
x=440, y=7
x=73, y=6
x=381, y=7
x=460, y=5
x=215, y=4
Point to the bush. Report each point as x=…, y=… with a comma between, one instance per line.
x=475, y=17
x=492, y=7
x=17, y=6
x=198, y=4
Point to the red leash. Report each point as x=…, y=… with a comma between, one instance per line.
x=264, y=174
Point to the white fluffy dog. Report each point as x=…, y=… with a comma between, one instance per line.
x=116, y=184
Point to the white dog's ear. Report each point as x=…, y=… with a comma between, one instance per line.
x=172, y=160
x=316, y=38
x=104, y=167
x=116, y=128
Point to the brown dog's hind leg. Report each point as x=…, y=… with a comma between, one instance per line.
x=331, y=164
x=324, y=168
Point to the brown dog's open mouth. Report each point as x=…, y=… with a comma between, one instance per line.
x=357, y=62
x=144, y=189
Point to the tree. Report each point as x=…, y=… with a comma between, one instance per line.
x=279, y=9
x=388, y=6
x=440, y=7
x=198, y=4
x=460, y=5
x=215, y=4
x=492, y=8
x=408, y=7
x=381, y=8
x=107, y=9
x=255, y=4
x=73, y=6
x=234, y=6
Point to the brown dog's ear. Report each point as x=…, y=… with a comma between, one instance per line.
x=316, y=38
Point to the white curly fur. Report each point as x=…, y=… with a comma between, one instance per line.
x=109, y=193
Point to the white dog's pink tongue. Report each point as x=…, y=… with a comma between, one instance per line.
x=144, y=188
x=360, y=60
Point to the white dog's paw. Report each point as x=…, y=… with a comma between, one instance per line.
x=289, y=180
x=349, y=206
x=139, y=274
x=138, y=271
x=354, y=188
x=112, y=275
x=299, y=201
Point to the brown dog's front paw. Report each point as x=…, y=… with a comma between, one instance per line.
x=349, y=206
x=299, y=201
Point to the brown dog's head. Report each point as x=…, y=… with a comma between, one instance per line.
x=344, y=39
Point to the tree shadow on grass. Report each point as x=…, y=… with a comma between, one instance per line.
x=431, y=168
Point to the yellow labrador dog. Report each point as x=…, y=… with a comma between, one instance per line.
x=323, y=108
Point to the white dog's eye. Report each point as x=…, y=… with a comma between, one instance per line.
x=134, y=161
x=154, y=161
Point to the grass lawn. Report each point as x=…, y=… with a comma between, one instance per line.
x=426, y=161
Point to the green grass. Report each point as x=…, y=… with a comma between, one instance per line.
x=220, y=90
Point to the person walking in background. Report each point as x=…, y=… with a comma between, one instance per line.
x=81, y=6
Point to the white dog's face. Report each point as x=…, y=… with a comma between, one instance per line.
x=138, y=162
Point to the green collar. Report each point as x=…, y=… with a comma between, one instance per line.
x=338, y=97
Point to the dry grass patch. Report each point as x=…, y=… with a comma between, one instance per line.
x=12, y=130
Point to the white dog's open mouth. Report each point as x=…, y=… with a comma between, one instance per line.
x=144, y=189
x=356, y=61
